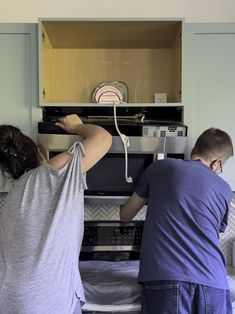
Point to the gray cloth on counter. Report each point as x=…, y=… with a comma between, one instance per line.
x=41, y=230
x=110, y=285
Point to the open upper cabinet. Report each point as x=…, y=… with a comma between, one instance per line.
x=76, y=55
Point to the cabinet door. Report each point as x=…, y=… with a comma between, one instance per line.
x=209, y=83
x=18, y=79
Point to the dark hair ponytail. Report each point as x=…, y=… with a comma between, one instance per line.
x=18, y=153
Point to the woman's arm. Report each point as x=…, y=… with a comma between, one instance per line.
x=96, y=142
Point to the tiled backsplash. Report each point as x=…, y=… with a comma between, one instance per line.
x=107, y=212
x=228, y=237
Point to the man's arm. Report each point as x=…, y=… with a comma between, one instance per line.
x=131, y=207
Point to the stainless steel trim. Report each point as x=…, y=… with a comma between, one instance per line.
x=138, y=144
x=103, y=248
x=56, y=142
x=113, y=224
x=113, y=200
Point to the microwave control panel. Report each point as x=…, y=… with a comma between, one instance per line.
x=164, y=130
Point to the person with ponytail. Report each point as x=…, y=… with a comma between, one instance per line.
x=18, y=153
x=41, y=220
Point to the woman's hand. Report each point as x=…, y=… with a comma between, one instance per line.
x=96, y=140
x=69, y=123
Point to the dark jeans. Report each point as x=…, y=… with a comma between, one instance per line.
x=176, y=297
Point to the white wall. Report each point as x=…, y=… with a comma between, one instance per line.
x=28, y=11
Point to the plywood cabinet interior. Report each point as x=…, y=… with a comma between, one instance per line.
x=77, y=55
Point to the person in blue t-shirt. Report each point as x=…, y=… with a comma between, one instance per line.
x=182, y=268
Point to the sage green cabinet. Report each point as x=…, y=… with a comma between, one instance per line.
x=19, y=80
x=209, y=83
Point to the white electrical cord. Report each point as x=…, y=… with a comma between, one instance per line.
x=125, y=141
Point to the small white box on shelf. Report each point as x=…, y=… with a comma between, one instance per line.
x=160, y=156
x=160, y=97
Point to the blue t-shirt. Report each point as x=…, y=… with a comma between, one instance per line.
x=188, y=206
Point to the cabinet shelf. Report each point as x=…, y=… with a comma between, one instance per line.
x=111, y=105
x=75, y=56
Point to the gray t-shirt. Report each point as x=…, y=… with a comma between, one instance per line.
x=41, y=230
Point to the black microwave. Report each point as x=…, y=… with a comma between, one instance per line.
x=107, y=180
